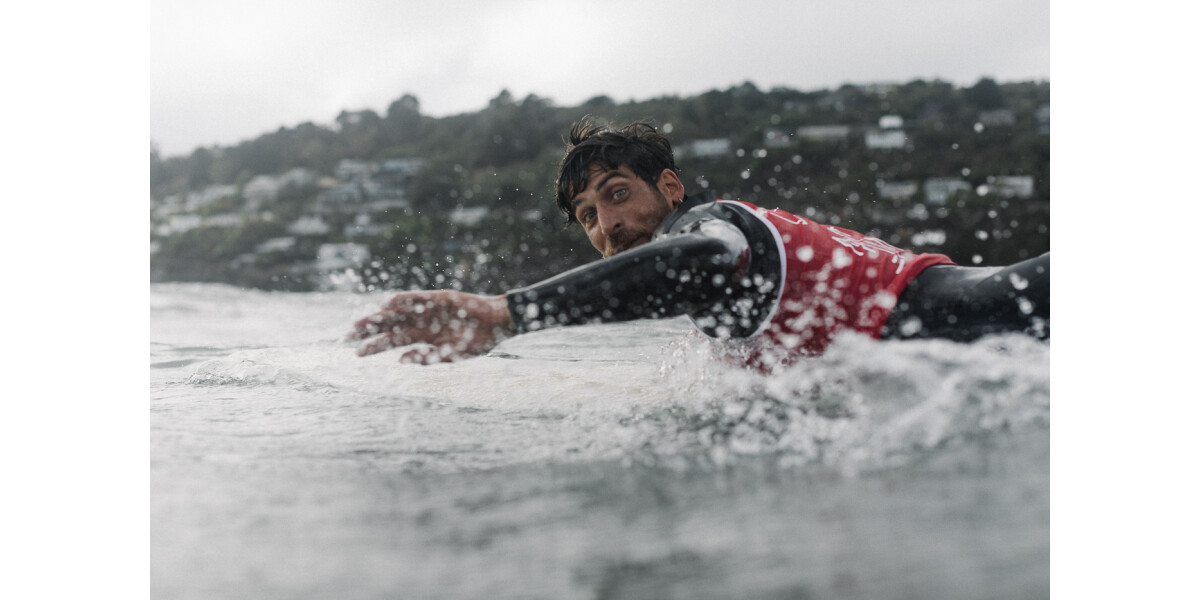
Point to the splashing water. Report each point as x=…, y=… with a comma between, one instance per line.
x=615, y=461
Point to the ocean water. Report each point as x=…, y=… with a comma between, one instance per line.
x=616, y=461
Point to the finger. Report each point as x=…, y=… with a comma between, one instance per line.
x=413, y=302
x=383, y=343
x=401, y=310
x=369, y=326
x=428, y=355
x=363, y=329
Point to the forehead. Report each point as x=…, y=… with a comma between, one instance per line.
x=598, y=175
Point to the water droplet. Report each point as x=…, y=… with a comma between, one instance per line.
x=1025, y=305
x=910, y=326
x=841, y=259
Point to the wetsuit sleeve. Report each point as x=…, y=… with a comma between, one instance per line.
x=668, y=277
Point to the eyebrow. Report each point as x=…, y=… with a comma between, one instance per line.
x=600, y=184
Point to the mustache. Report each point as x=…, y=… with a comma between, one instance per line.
x=623, y=238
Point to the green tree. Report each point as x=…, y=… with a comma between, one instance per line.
x=985, y=94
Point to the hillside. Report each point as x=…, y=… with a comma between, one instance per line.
x=404, y=200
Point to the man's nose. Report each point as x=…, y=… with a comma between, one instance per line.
x=610, y=221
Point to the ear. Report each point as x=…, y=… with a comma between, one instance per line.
x=671, y=187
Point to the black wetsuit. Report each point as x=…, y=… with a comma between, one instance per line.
x=710, y=262
x=966, y=303
x=705, y=260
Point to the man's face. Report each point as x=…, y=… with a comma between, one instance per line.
x=619, y=210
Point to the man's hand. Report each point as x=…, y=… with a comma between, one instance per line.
x=449, y=325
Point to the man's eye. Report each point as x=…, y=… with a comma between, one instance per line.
x=619, y=194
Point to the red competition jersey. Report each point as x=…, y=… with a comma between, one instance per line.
x=833, y=279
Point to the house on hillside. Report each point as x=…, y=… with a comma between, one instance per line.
x=297, y=177
x=380, y=198
x=400, y=171
x=897, y=190
x=369, y=187
x=885, y=139
x=824, y=133
x=260, y=189
x=938, y=190
x=469, y=216
x=708, y=148
x=775, y=137
x=1000, y=117
x=1042, y=114
x=208, y=195
x=342, y=195
x=353, y=171
x=178, y=224
x=364, y=226
x=266, y=188
x=891, y=122
x=309, y=225
x=1009, y=186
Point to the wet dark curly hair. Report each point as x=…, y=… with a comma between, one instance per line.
x=638, y=145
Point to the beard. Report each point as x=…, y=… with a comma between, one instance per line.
x=627, y=238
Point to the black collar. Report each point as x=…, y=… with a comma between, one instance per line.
x=689, y=202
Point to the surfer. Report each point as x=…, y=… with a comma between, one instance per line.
x=769, y=284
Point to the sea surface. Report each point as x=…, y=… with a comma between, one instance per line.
x=615, y=461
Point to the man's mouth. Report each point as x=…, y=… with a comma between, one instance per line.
x=636, y=241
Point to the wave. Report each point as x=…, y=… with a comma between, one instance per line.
x=643, y=392
x=865, y=405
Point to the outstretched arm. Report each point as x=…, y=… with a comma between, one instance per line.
x=668, y=277
x=447, y=325
x=664, y=278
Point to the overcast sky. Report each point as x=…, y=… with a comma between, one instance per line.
x=222, y=71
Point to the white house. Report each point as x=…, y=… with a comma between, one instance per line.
x=710, y=148
x=940, y=189
x=885, y=139
x=897, y=190
x=406, y=167
x=468, y=215
x=261, y=188
x=1010, y=186
x=891, y=122
x=823, y=133
x=179, y=224
x=353, y=171
x=309, y=225
x=340, y=196
x=363, y=226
